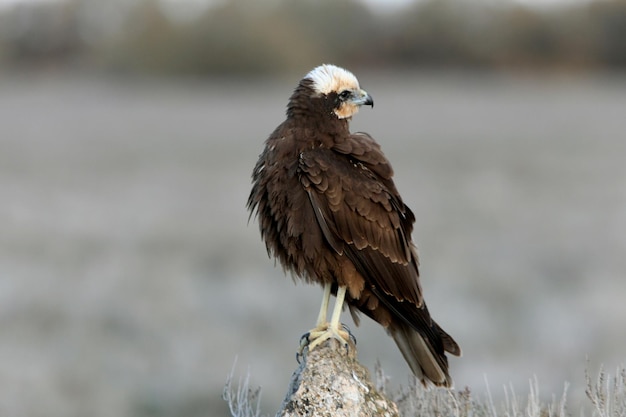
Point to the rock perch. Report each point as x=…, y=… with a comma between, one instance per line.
x=331, y=382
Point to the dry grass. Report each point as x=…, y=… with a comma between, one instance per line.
x=242, y=400
x=414, y=401
x=607, y=395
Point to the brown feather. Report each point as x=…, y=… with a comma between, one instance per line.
x=329, y=211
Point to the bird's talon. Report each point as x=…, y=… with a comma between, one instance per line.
x=350, y=335
x=304, y=346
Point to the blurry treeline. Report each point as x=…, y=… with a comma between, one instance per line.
x=251, y=36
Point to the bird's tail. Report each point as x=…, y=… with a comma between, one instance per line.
x=425, y=354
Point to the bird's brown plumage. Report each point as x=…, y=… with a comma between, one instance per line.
x=328, y=209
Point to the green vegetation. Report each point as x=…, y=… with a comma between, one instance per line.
x=250, y=37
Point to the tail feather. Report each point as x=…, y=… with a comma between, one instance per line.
x=426, y=363
x=420, y=339
x=449, y=345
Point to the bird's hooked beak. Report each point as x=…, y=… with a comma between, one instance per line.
x=361, y=97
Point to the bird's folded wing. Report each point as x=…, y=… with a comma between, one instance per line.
x=360, y=212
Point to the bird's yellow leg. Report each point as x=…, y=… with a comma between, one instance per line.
x=321, y=318
x=330, y=330
x=321, y=326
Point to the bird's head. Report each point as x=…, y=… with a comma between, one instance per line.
x=339, y=90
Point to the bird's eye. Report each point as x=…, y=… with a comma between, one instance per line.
x=344, y=95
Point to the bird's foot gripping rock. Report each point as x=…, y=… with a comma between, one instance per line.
x=315, y=337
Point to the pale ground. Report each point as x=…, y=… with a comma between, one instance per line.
x=130, y=280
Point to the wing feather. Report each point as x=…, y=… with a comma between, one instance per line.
x=362, y=215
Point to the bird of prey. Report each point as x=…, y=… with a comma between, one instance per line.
x=329, y=211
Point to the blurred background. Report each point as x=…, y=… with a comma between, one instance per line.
x=130, y=280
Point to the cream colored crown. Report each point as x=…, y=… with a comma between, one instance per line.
x=327, y=78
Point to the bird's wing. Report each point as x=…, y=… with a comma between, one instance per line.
x=362, y=215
